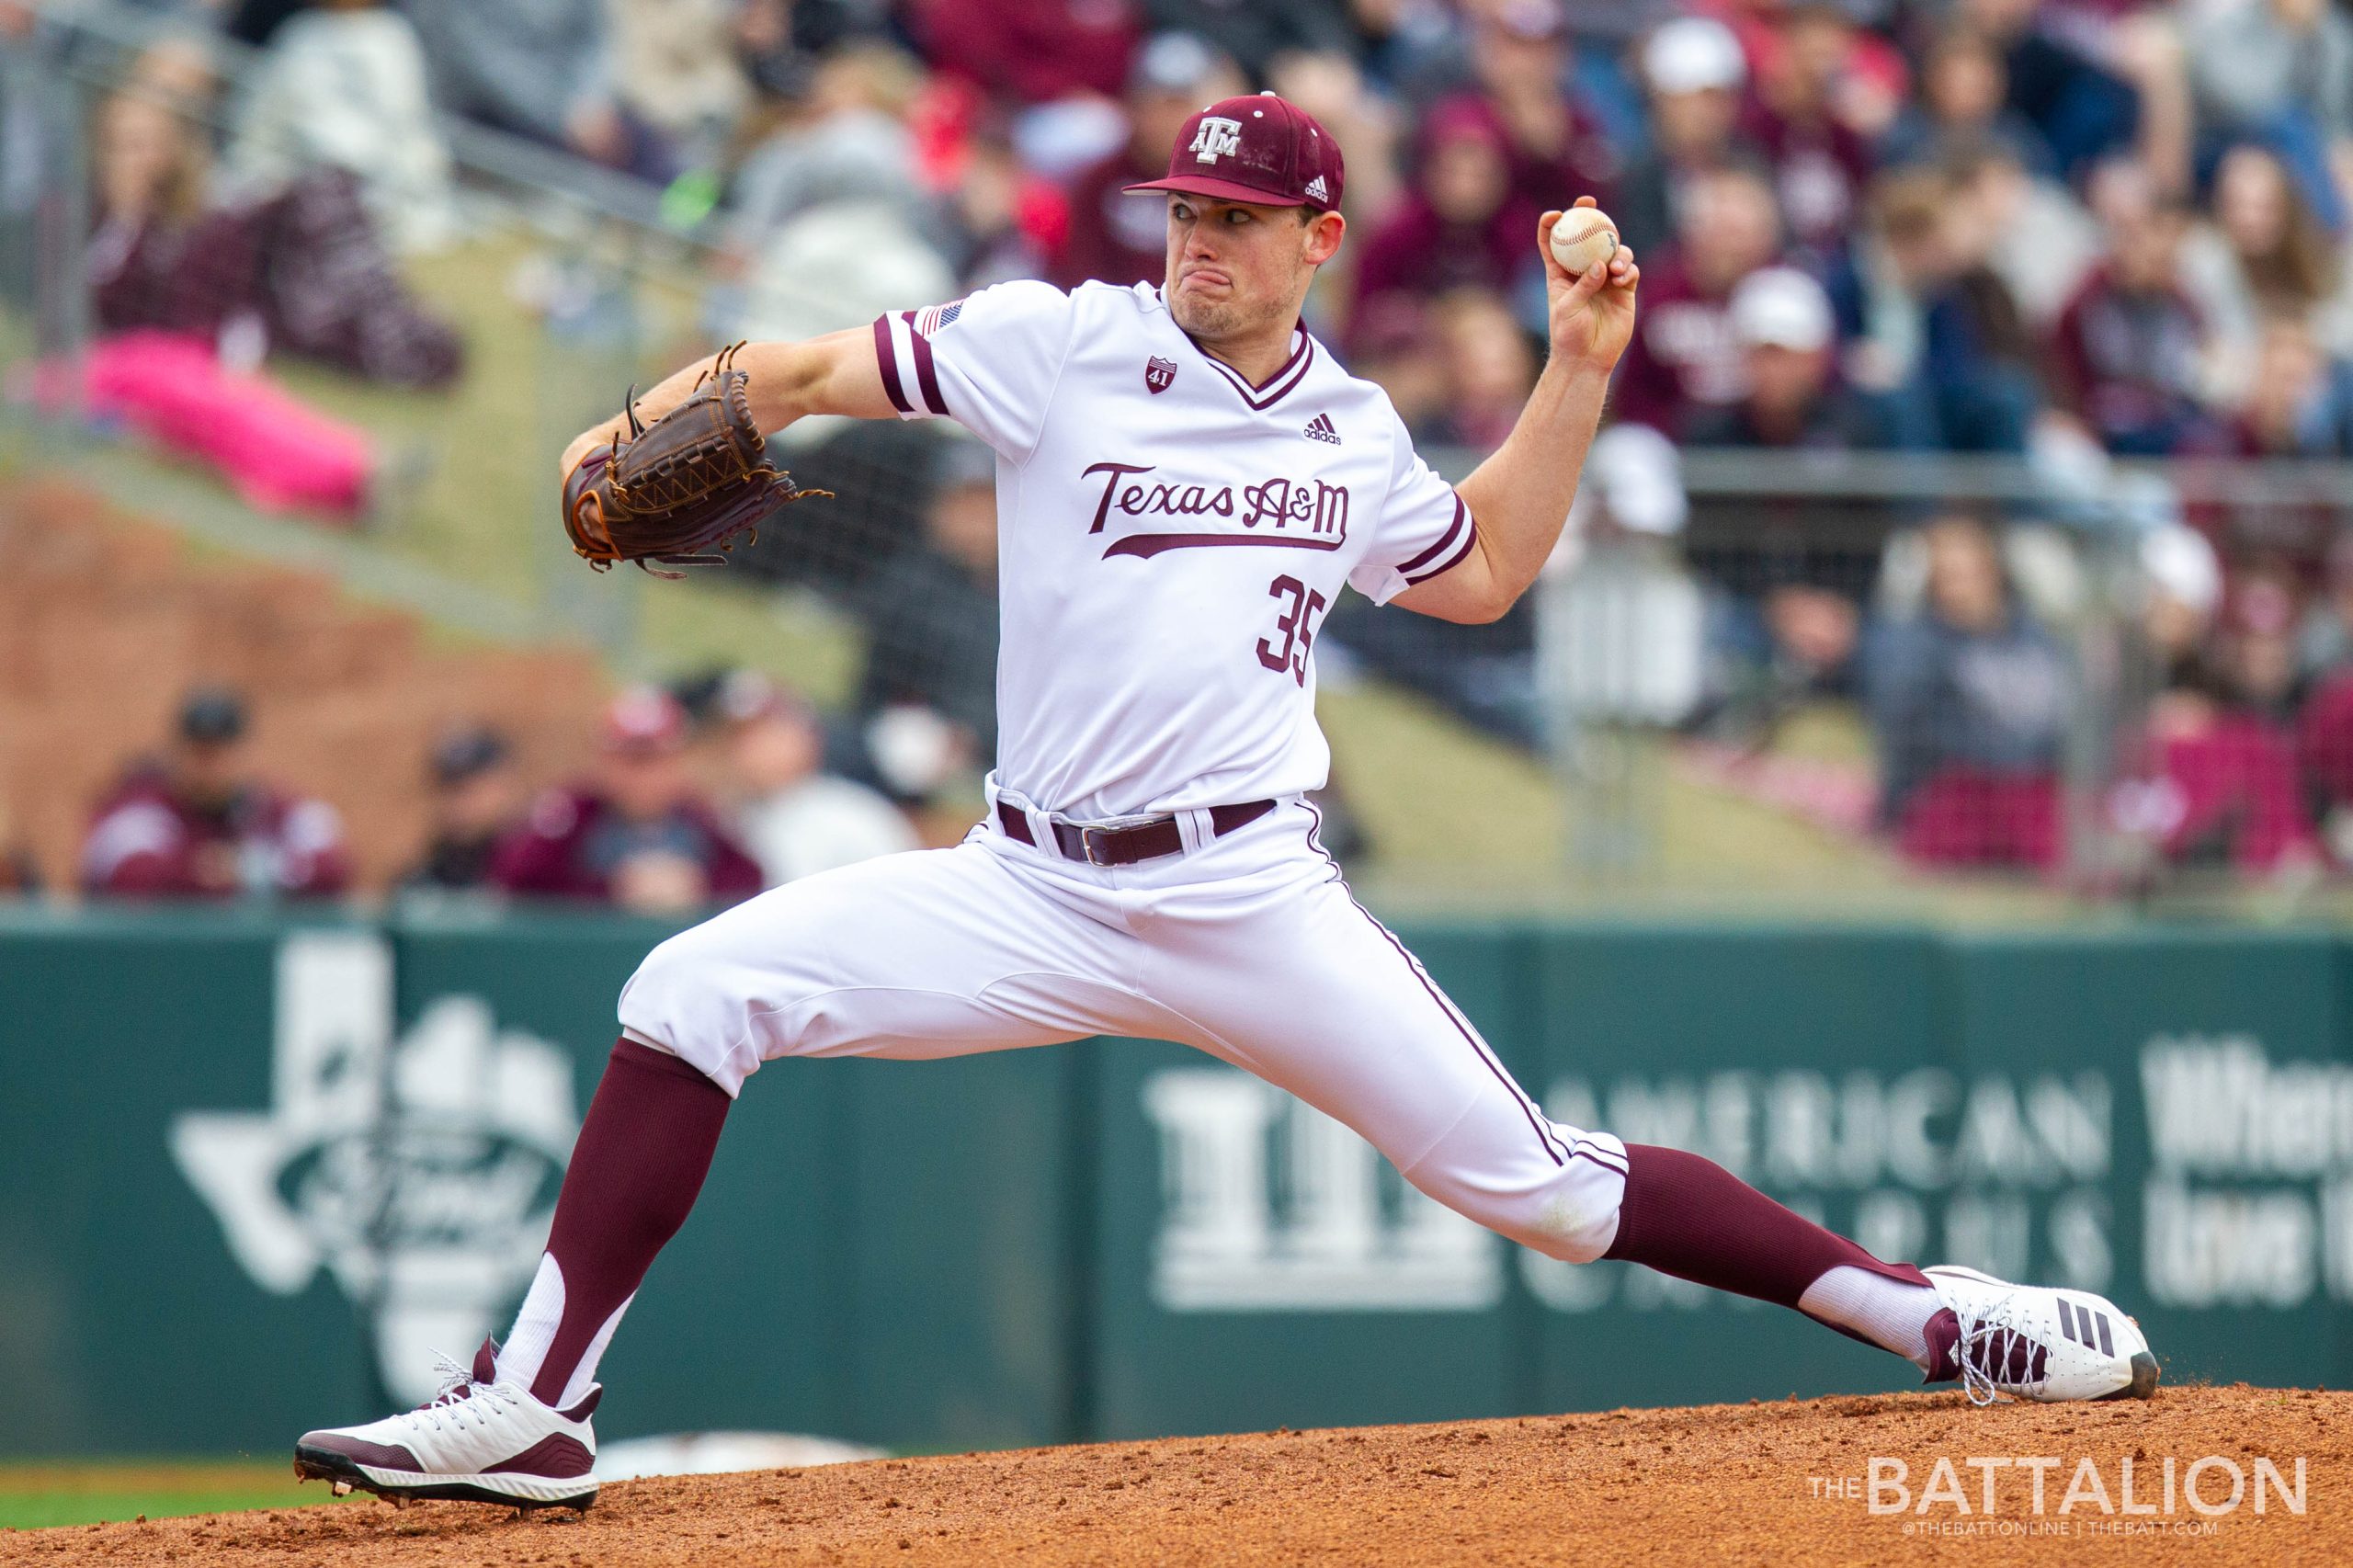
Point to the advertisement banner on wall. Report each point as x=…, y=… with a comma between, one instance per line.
x=260, y=1171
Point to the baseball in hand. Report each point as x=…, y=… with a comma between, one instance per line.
x=1583, y=236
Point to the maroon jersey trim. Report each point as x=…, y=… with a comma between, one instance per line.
x=927, y=378
x=1274, y=388
x=1265, y=394
x=1449, y=549
x=889, y=360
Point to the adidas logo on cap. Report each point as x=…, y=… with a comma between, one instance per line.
x=1315, y=189
x=1319, y=429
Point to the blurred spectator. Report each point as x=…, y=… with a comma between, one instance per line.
x=473, y=800
x=1034, y=50
x=1333, y=90
x=2081, y=111
x=1684, y=358
x=2125, y=352
x=1459, y=226
x=1791, y=399
x=1115, y=237
x=2265, y=253
x=685, y=80
x=1782, y=623
x=1485, y=675
x=2324, y=641
x=2279, y=72
x=343, y=84
x=932, y=615
x=2299, y=401
x=158, y=254
x=846, y=140
x=2224, y=789
x=639, y=835
x=1000, y=220
x=1522, y=69
x=795, y=818
x=2030, y=231
x=1820, y=163
x=544, y=69
x=1963, y=106
x=1254, y=33
x=778, y=41
x=1941, y=346
x=1694, y=71
x=2182, y=580
x=1489, y=365
x=300, y=268
x=833, y=210
x=1969, y=699
x=1623, y=621
x=194, y=823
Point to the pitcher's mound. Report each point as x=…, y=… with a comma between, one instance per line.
x=2225, y=1475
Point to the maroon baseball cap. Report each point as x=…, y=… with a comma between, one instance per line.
x=1257, y=149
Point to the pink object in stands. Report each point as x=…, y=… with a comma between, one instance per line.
x=280, y=454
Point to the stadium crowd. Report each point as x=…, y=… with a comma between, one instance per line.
x=2065, y=230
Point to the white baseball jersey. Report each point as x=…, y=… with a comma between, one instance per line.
x=1170, y=539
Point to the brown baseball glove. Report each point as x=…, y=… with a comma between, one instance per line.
x=679, y=490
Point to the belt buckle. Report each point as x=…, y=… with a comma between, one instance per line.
x=1087, y=843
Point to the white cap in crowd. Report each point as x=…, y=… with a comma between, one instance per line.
x=2181, y=563
x=1639, y=478
x=1780, y=307
x=1692, y=54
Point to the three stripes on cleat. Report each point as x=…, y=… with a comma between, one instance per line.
x=2080, y=1324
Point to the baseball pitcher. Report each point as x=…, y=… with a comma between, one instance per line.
x=1186, y=480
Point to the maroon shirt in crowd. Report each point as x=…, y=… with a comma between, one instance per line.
x=1114, y=238
x=147, y=840
x=1036, y=50
x=2232, y=792
x=1684, y=358
x=575, y=841
x=1820, y=169
x=2126, y=363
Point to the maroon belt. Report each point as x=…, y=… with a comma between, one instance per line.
x=1125, y=845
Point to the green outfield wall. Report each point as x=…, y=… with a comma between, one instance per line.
x=254, y=1171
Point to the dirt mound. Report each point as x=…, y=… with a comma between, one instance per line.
x=1771, y=1484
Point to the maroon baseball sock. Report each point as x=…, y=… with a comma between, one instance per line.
x=1689, y=1217
x=643, y=1152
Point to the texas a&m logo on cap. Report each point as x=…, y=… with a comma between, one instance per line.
x=1158, y=373
x=1255, y=148
x=1217, y=138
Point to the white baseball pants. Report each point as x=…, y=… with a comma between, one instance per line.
x=1248, y=947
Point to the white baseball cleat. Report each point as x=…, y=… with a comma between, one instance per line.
x=478, y=1440
x=2038, y=1344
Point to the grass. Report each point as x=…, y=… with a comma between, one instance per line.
x=43, y=1496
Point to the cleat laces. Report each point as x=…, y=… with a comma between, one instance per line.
x=464, y=1402
x=1997, y=1353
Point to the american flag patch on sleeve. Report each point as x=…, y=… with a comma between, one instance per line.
x=931, y=318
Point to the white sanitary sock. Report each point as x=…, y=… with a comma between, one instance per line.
x=1889, y=1312
x=536, y=1322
